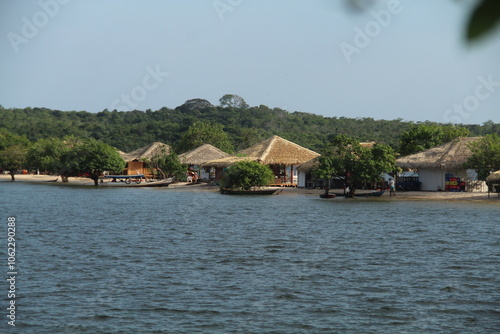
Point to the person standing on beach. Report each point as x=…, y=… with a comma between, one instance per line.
x=392, y=188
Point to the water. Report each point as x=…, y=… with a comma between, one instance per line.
x=117, y=260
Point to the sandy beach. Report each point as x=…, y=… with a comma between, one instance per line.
x=407, y=195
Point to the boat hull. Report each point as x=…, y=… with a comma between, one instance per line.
x=163, y=183
x=248, y=192
x=372, y=194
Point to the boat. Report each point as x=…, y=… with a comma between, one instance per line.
x=227, y=191
x=134, y=181
x=372, y=194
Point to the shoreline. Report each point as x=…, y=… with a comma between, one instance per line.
x=402, y=195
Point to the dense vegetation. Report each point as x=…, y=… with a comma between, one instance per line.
x=244, y=126
x=245, y=175
x=357, y=165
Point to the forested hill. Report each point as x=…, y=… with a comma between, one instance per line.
x=245, y=126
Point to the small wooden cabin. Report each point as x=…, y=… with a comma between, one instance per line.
x=137, y=160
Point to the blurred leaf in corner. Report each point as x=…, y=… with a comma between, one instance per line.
x=483, y=19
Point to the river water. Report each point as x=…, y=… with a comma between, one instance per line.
x=125, y=260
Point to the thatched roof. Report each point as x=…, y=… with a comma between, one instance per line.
x=227, y=161
x=274, y=150
x=147, y=152
x=451, y=155
x=494, y=177
x=277, y=150
x=308, y=166
x=202, y=154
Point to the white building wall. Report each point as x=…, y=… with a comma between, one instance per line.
x=431, y=179
x=434, y=179
x=301, y=179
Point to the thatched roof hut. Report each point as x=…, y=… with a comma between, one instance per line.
x=202, y=154
x=147, y=152
x=279, y=151
x=452, y=156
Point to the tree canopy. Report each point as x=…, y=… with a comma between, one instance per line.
x=90, y=157
x=13, y=152
x=424, y=136
x=130, y=130
x=205, y=133
x=485, y=156
x=233, y=101
x=357, y=165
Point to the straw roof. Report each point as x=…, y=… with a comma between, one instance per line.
x=308, y=166
x=202, y=154
x=277, y=150
x=451, y=155
x=274, y=150
x=494, y=177
x=147, y=152
x=227, y=161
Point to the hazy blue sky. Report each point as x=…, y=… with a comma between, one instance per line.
x=398, y=59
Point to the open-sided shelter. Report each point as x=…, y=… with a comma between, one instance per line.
x=200, y=155
x=433, y=165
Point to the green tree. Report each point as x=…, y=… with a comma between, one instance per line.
x=13, y=152
x=345, y=157
x=46, y=154
x=233, y=101
x=13, y=158
x=205, y=133
x=245, y=175
x=8, y=138
x=171, y=166
x=485, y=156
x=91, y=157
x=424, y=136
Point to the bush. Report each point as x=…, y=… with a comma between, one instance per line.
x=247, y=174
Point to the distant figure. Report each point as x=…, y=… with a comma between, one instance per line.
x=392, y=187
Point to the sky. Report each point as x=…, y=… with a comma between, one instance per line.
x=394, y=59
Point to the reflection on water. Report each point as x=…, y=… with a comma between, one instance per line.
x=176, y=261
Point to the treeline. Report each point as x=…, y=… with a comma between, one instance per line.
x=244, y=125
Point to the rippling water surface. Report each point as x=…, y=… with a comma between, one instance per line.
x=178, y=261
